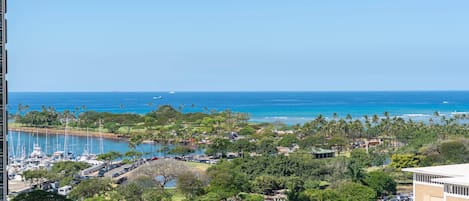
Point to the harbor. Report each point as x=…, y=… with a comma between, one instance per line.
x=40, y=150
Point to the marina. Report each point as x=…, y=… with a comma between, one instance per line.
x=30, y=151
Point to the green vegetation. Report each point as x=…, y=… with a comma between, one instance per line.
x=110, y=156
x=90, y=188
x=39, y=195
x=381, y=183
x=181, y=150
x=142, y=189
x=189, y=185
x=64, y=172
x=361, y=144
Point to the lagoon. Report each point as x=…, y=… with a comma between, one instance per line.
x=77, y=144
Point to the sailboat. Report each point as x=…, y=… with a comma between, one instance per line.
x=65, y=154
x=15, y=165
x=37, y=158
x=57, y=155
x=12, y=155
x=87, y=155
x=37, y=152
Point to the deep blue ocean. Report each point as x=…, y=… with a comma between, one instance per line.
x=288, y=107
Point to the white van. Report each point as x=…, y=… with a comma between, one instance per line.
x=64, y=190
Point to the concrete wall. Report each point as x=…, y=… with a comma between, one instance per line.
x=425, y=192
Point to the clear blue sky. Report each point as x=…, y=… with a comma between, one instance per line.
x=242, y=45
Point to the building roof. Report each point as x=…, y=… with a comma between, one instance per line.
x=321, y=151
x=459, y=170
x=458, y=174
x=464, y=181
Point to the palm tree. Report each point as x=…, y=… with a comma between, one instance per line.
x=343, y=127
x=349, y=117
x=375, y=119
x=77, y=113
x=386, y=114
x=21, y=108
x=335, y=116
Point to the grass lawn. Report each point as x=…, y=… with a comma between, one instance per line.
x=198, y=166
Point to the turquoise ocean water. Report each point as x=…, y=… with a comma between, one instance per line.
x=289, y=107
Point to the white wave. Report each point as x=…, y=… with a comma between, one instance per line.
x=459, y=113
x=278, y=118
x=416, y=115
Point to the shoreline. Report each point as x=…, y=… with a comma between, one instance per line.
x=94, y=134
x=53, y=131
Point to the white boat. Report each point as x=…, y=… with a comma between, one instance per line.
x=37, y=152
x=37, y=159
x=157, y=97
x=87, y=156
x=58, y=155
x=172, y=92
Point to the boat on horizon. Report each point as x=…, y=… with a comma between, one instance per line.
x=172, y=92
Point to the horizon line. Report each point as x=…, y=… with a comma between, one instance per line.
x=238, y=91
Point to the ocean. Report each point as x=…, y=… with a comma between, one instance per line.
x=287, y=107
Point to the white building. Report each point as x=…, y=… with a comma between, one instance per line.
x=441, y=183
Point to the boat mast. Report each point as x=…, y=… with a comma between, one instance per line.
x=45, y=150
x=11, y=148
x=18, y=143
x=23, y=154
x=37, y=137
x=65, y=138
x=101, y=145
x=87, y=142
x=29, y=140
x=91, y=143
x=57, y=138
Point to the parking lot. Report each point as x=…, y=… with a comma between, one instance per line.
x=118, y=171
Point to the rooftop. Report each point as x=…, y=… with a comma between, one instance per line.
x=464, y=181
x=321, y=151
x=459, y=174
x=459, y=170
